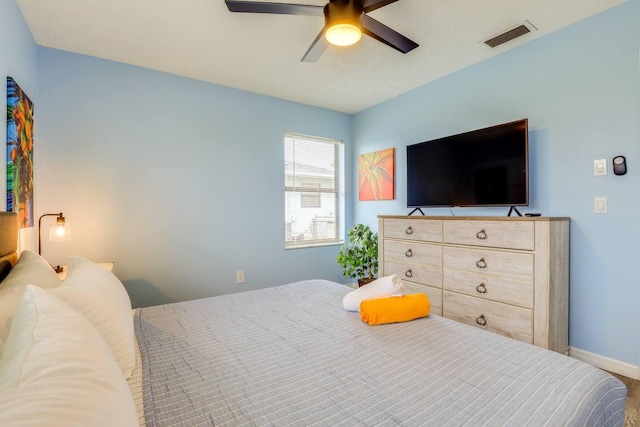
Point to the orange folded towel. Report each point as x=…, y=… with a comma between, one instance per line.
x=395, y=309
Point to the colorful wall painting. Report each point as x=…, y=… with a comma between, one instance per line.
x=19, y=154
x=376, y=175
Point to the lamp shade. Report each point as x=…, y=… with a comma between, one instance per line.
x=343, y=32
x=60, y=231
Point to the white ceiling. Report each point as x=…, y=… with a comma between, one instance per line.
x=261, y=53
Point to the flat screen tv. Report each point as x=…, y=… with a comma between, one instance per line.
x=484, y=167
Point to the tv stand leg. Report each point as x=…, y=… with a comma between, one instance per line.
x=416, y=210
x=511, y=209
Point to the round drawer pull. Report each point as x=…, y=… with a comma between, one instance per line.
x=481, y=263
x=482, y=235
x=408, y=273
x=408, y=254
x=481, y=320
x=409, y=230
x=481, y=288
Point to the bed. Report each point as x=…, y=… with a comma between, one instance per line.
x=291, y=355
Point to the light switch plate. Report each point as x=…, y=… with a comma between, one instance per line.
x=600, y=167
x=600, y=205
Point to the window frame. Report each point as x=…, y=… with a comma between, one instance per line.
x=316, y=190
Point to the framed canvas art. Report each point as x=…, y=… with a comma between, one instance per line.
x=376, y=175
x=19, y=154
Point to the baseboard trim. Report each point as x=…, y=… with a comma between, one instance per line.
x=606, y=363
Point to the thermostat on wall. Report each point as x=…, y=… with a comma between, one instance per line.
x=619, y=165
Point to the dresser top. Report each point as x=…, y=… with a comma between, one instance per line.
x=478, y=218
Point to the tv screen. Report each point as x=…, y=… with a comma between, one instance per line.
x=484, y=167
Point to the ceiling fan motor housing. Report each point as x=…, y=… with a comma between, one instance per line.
x=339, y=11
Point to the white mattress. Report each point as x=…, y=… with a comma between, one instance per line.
x=135, y=384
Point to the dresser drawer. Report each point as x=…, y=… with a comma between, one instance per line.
x=424, y=274
x=496, y=234
x=514, y=322
x=508, y=265
x=434, y=294
x=413, y=252
x=413, y=229
x=485, y=286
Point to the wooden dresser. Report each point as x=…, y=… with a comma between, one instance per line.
x=503, y=274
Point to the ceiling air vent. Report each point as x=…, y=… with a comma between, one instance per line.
x=511, y=34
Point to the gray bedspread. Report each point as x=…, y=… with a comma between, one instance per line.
x=291, y=356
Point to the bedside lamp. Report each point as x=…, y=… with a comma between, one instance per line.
x=57, y=231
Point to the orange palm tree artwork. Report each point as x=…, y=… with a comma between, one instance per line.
x=376, y=175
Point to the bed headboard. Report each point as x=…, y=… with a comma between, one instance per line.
x=8, y=242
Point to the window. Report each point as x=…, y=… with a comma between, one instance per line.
x=313, y=180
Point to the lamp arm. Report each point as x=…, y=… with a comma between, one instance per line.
x=59, y=215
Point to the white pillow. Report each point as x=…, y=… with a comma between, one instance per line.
x=387, y=286
x=31, y=269
x=56, y=370
x=101, y=298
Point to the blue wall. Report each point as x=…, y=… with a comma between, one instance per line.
x=18, y=59
x=178, y=181
x=580, y=89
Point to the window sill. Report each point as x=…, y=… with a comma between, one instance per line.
x=314, y=245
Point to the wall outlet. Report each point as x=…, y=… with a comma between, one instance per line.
x=240, y=276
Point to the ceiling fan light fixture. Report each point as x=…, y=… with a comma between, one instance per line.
x=343, y=32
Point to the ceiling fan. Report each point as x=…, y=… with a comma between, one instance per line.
x=345, y=21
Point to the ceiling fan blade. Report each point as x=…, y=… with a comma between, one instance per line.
x=369, y=5
x=316, y=49
x=275, y=8
x=386, y=35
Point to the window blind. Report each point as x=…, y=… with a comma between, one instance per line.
x=312, y=190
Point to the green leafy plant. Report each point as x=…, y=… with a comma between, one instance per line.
x=358, y=256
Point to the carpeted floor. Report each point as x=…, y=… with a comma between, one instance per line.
x=632, y=410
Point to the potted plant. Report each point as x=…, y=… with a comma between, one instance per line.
x=358, y=256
